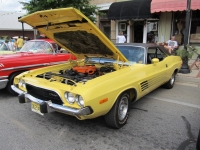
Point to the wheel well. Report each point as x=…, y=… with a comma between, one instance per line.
x=132, y=93
x=176, y=71
x=16, y=72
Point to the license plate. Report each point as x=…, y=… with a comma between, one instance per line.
x=35, y=107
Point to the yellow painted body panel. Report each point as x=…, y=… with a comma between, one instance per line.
x=70, y=19
x=108, y=86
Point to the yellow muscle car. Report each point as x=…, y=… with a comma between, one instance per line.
x=103, y=81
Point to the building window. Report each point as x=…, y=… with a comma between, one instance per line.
x=122, y=26
x=179, y=27
x=195, y=27
x=152, y=32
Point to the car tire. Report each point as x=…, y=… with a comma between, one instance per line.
x=10, y=82
x=170, y=83
x=118, y=115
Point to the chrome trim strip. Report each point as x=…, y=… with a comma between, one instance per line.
x=22, y=67
x=3, y=77
x=60, y=108
x=56, y=107
x=17, y=90
x=36, y=65
x=3, y=83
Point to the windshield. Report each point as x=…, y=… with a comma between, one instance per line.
x=38, y=47
x=3, y=47
x=134, y=54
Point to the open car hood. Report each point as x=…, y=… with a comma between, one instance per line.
x=73, y=31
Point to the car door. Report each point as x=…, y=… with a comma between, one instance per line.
x=156, y=73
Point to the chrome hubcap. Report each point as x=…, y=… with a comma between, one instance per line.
x=123, y=108
x=172, y=80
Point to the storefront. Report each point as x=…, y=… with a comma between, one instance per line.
x=135, y=20
x=173, y=20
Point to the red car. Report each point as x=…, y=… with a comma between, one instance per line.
x=34, y=54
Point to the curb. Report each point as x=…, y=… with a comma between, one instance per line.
x=188, y=80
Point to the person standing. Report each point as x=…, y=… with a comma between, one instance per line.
x=15, y=44
x=120, y=38
x=20, y=43
x=11, y=44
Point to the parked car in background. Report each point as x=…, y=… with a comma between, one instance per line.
x=34, y=54
x=4, y=48
x=104, y=79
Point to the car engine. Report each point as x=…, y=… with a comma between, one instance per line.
x=77, y=74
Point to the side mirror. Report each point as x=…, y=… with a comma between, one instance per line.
x=155, y=60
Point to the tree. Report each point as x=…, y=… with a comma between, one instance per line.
x=83, y=5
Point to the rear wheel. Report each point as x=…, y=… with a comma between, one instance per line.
x=118, y=115
x=170, y=83
x=10, y=82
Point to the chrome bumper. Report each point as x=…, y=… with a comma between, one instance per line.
x=3, y=83
x=50, y=105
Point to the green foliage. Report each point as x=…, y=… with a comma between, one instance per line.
x=5, y=38
x=186, y=54
x=83, y=5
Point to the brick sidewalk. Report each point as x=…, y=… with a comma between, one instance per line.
x=195, y=69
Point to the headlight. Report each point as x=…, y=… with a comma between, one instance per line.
x=22, y=83
x=69, y=97
x=79, y=100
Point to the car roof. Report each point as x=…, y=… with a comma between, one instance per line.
x=146, y=45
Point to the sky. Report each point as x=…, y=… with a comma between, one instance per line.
x=11, y=6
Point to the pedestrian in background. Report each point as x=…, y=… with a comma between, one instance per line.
x=20, y=43
x=120, y=38
x=15, y=44
x=11, y=44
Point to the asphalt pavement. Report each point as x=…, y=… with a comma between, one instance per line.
x=192, y=78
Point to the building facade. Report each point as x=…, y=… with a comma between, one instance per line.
x=149, y=21
x=105, y=25
x=133, y=17
x=11, y=27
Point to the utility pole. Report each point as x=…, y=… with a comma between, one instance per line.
x=187, y=23
x=185, y=67
x=22, y=26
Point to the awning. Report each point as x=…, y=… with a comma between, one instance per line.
x=135, y=9
x=173, y=5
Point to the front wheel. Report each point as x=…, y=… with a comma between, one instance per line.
x=170, y=83
x=118, y=115
x=10, y=82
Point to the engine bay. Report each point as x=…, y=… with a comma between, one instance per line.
x=77, y=74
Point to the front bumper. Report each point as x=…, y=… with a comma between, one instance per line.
x=3, y=82
x=25, y=97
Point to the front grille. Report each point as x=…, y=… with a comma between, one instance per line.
x=43, y=94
